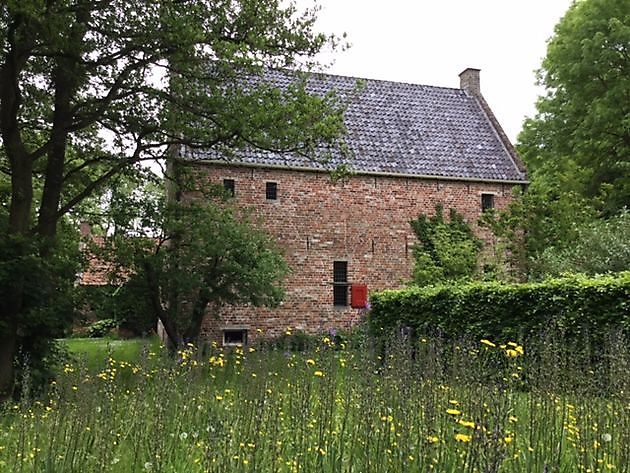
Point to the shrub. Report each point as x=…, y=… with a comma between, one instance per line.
x=446, y=250
x=600, y=246
x=577, y=306
x=101, y=328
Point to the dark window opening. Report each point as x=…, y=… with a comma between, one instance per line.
x=235, y=337
x=228, y=185
x=271, y=191
x=340, y=294
x=487, y=202
x=340, y=283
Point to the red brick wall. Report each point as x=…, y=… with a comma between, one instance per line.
x=364, y=220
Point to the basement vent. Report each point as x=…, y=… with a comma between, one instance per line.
x=235, y=337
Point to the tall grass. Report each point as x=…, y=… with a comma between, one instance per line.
x=395, y=406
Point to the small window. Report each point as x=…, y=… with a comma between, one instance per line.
x=234, y=337
x=228, y=185
x=271, y=191
x=487, y=202
x=340, y=283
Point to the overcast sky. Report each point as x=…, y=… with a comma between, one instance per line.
x=431, y=41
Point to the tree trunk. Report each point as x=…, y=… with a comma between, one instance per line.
x=65, y=82
x=8, y=345
x=198, y=312
x=19, y=219
x=16, y=249
x=162, y=315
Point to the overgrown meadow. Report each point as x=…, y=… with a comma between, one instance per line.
x=338, y=406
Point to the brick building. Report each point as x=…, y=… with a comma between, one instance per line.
x=412, y=147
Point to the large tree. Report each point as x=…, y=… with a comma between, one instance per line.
x=582, y=129
x=91, y=87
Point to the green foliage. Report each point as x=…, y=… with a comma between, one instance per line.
x=102, y=327
x=131, y=307
x=577, y=150
x=290, y=341
x=446, y=250
x=578, y=306
x=545, y=216
x=546, y=232
x=181, y=258
x=600, y=246
x=148, y=75
x=127, y=303
x=49, y=308
x=583, y=123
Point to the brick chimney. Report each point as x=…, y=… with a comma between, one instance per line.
x=469, y=81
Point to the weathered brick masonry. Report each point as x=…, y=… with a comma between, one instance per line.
x=363, y=220
x=412, y=147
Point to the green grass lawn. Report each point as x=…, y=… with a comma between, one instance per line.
x=94, y=352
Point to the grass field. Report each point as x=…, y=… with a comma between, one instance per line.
x=94, y=352
x=475, y=406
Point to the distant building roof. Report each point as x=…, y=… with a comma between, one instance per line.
x=404, y=129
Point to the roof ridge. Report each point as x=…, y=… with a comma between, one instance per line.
x=283, y=69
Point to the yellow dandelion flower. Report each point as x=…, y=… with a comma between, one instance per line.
x=453, y=402
x=319, y=374
x=432, y=439
x=513, y=419
x=488, y=343
x=453, y=412
x=467, y=423
x=508, y=439
x=310, y=362
x=463, y=438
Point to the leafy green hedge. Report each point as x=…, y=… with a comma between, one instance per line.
x=574, y=305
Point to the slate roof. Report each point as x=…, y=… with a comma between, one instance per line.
x=401, y=128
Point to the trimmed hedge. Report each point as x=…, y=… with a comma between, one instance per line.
x=574, y=305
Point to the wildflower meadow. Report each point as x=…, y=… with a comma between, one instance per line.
x=339, y=405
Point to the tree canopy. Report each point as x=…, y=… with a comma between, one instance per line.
x=90, y=88
x=582, y=128
x=189, y=257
